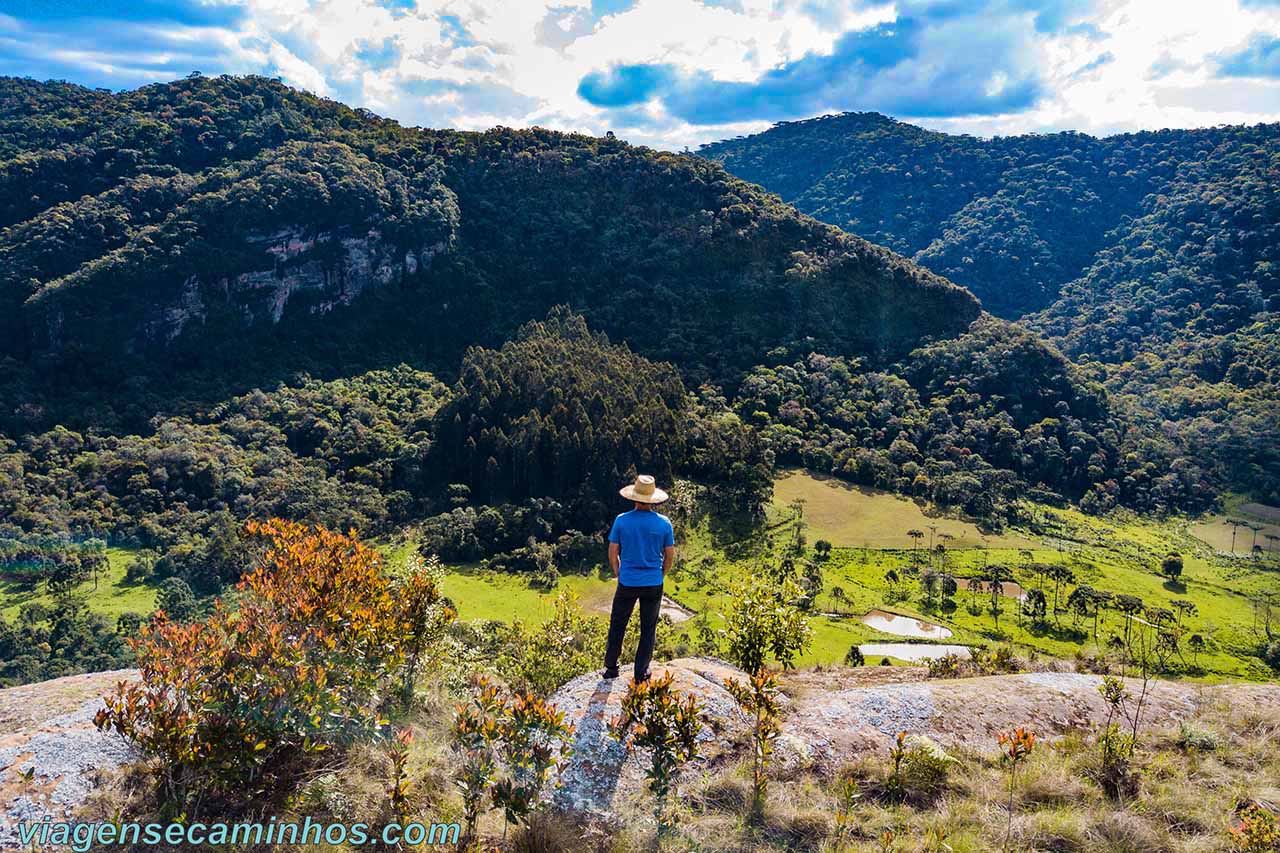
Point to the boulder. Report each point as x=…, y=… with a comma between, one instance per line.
x=600, y=773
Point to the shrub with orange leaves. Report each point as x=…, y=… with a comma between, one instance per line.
x=655, y=716
x=302, y=664
x=1017, y=744
x=510, y=746
x=1016, y=747
x=1258, y=830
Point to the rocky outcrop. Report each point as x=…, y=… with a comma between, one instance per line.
x=316, y=272
x=830, y=717
x=841, y=723
x=600, y=771
x=51, y=755
x=836, y=715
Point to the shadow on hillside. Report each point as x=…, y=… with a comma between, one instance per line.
x=1064, y=634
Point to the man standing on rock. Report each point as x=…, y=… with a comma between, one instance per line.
x=642, y=545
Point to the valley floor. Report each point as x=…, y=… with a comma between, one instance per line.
x=869, y=529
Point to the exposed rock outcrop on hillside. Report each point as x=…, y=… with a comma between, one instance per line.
x=835, y=715
x=48, y=732
x=830, y=717
x=600, y=768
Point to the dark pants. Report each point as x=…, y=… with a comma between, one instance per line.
x=624, y=601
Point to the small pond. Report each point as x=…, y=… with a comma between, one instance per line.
x=914, y=652
x=905, y=626
x=674, y=611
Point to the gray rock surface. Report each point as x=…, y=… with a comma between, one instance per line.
x=600, y=771
x=48, y=732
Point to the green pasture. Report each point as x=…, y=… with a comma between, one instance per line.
x=112, y=596
x=1120, y=554
x=855, y=516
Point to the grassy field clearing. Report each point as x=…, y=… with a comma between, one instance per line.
x=850, y=516
x=1256, y=522
x=113, y=596
x=483, y=594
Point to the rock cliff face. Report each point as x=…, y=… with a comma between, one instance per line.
x=311, y=272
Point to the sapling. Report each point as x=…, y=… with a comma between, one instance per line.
x=475, y=731
x=895, y=787
x=426, y=616
x=848, y=795
x=398, y=792
x=759, y=698
x=533, y=743
x=1115, y=746
x=763, y=622
x=1016, y=748
x=656, y=717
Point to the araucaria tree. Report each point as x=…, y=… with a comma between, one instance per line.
x=763, y=622
x=656, y=717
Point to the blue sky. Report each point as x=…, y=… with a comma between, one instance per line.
x=676, y=73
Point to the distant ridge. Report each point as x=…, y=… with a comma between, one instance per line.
x=211, y=217
x=1155, y=253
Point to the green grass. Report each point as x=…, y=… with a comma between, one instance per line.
x=1120, y=554
x=487, y=595
x=112, y=597
x=482, y=594
x=854, y=516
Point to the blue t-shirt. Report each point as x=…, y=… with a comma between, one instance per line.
x=642, y=534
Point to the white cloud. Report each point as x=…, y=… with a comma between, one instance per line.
x=1127, y=64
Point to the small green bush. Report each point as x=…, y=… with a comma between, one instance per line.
x=926, y=769
x=1194, y=738
x=949, y=665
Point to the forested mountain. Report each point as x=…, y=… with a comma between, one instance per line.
x=205, y=221
x=1152, y=255
x=478, y=332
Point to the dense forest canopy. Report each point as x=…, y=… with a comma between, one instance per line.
x=1150, y=258
x=236, y=230
x=427, y=312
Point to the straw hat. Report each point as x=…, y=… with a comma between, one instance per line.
x=643, y=491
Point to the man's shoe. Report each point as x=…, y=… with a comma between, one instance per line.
x=640, y=679
x=610, y=673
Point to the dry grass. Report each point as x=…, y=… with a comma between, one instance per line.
x=853, y=516
x=1188, y=787
x=1185, y=798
